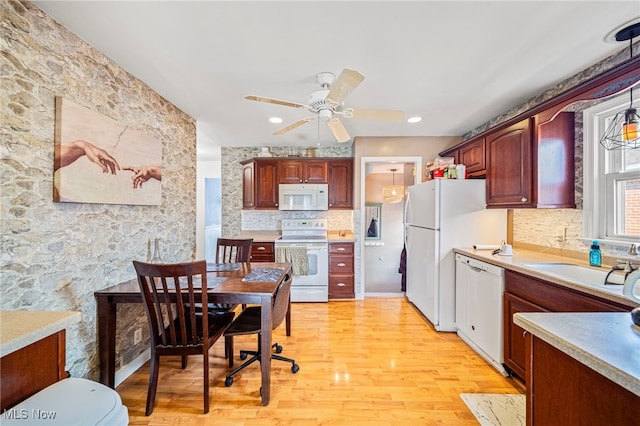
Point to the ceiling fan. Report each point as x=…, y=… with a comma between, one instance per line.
x=327, y=103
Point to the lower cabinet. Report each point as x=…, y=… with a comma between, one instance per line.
x=527, y=294
x=263, y=252
x=341, y=271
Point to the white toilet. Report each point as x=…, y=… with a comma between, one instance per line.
x=69, y=402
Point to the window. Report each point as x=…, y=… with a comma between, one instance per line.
x=611, y=179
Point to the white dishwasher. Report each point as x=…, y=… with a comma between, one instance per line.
x=479, y=288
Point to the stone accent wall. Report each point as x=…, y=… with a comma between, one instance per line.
x=56, y=255
x=232, y=218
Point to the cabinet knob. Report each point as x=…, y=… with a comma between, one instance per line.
x=300, y=180
x=524, y=200
x=342, y=265
x=341, y=284
x=261, y=248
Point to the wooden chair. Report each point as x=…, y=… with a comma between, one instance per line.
x=248, y=322
x=175, y=329
x=230, y=250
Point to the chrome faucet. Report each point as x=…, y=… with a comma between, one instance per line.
x=633, y=250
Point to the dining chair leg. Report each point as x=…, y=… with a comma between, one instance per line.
x=153, y=384
x=205, y=376
x=184, y=361
x=228, y=347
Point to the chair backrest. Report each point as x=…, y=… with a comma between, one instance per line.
x=232, y=250
x=166, y=289
x=281, y=302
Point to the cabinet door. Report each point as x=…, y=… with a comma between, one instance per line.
x=266, y=195
x=315, y=171
x=455, y=154
x=472, y=155
x=515, y=347
x=248, y=191
x=509, y=179
x=290, y=171
x=263, y=252
x=340, y=184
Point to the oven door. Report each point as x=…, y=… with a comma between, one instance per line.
x=313, y=287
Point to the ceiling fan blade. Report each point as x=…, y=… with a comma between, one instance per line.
x=344, y=85
x=378, y=114
x=292, y=126
x=275, y=101
x=338, y=130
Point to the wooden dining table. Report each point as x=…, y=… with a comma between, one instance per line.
x=232, y=289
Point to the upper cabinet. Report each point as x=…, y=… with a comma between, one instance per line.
x=341, y=184
x=302, y=171
x=261, y=177
x=472, y=155
x=531, y=163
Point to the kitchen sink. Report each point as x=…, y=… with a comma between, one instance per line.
x=578, y=273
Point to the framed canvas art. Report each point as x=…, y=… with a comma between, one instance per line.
x=98, y=160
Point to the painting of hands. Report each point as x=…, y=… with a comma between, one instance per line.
x=89, y=151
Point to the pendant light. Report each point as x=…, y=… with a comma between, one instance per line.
x=393, y=193
x=623, y=132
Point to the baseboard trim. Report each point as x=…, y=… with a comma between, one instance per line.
x=127, y=370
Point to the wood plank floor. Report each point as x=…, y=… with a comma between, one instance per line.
x=376, y=362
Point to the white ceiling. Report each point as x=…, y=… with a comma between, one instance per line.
x=457, y=64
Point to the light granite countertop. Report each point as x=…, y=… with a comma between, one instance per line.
x=608, y=343
x=22, y=328
x=517, y=262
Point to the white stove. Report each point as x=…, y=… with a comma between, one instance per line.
x=310, y=234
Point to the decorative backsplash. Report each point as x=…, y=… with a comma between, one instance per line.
x=271, y=220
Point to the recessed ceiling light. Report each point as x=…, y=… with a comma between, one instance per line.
x=275, y=120
x=414, y=119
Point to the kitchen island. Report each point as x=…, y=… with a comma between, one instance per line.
x=584, y=368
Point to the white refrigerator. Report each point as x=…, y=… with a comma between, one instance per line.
x=440, y=215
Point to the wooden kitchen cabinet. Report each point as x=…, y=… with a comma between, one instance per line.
x=302, y=171
x=259, y=184
x=527, y=294
x=565, y=392
x=263, y=252
x=340, y=184
x=341, y=271
x=472, y=155
x=531, y=163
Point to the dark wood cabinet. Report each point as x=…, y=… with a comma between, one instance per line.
x=509, y=166
x=259, y=184
x=302, y=171
x=527, y=294
x=263, y=252
x=340, y=184
x=341, y=271
x=531, y=163
x=563, y=391
x=472, y=155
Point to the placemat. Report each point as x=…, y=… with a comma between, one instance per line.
x=269, y=275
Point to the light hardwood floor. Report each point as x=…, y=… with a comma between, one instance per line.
x=374, y=362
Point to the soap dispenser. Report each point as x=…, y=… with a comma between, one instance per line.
x=595, y=256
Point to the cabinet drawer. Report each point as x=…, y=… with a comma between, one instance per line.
x=341, y=286
x=556, y=298
x=341, y=264
x=341, y=248
x=263, y=252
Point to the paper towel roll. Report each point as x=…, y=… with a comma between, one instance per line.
x=486, y=246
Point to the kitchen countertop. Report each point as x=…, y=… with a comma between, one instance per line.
x=22, y=328
x=608, y=343
x=523, y=256
x=341, y=236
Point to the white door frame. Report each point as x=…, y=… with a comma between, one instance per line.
x=417, y=178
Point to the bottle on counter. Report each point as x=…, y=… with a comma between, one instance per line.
x=595, y=256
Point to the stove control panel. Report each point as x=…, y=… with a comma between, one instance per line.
x=300, y=224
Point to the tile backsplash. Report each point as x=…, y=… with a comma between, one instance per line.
x=271, y=220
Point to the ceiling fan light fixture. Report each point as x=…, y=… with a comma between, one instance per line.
x=622, y=132
x=393, y=193
x=414, y=119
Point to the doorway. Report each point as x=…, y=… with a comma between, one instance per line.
x=382, y=222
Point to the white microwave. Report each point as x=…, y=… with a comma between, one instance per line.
x=295, y=196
